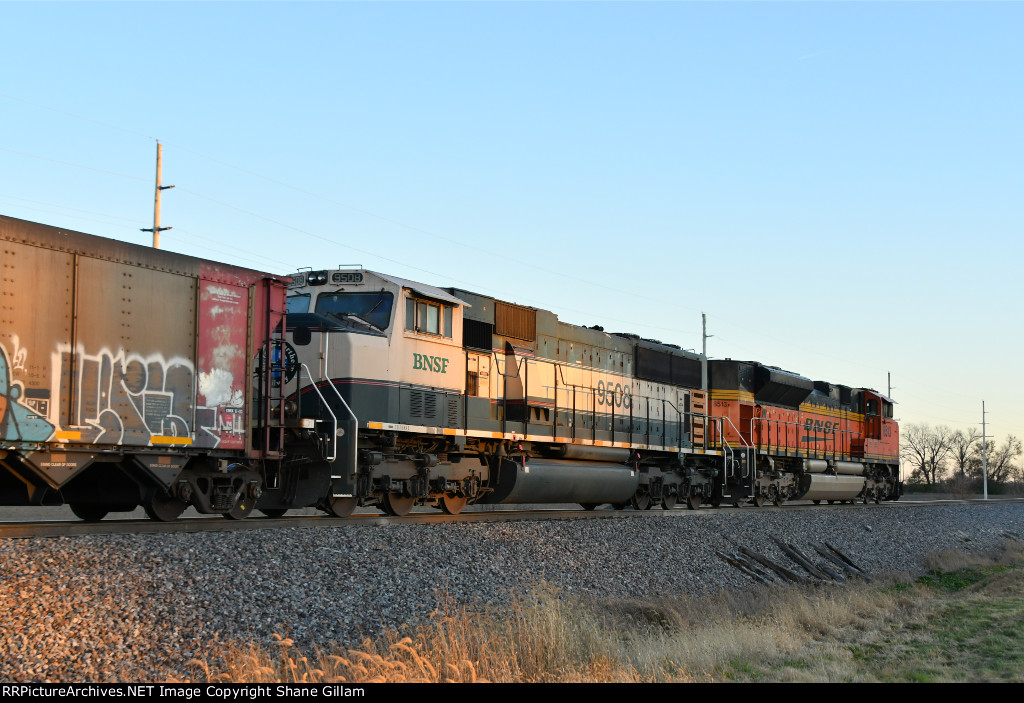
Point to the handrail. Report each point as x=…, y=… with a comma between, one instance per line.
x=355, y=423
x=519, y=366
x=334, y=418
x=679, y=425
x=835, y=432
x=589, y=391
x=748, y=446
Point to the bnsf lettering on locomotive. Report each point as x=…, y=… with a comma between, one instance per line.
x=817, y=430
x=424, y=362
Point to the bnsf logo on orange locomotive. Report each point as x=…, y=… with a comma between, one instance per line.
x=817, y=430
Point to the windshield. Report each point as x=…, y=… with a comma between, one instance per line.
x=374, y=308
x=298, y=303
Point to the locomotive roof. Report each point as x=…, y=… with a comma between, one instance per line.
x=423, y=289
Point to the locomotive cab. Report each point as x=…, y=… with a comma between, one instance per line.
x=391, y=349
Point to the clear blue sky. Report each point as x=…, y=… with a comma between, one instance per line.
x=838, y=186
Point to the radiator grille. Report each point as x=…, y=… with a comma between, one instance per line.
x=416, y=403
x=515, y=321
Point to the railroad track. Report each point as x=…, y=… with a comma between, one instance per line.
x=47, y=527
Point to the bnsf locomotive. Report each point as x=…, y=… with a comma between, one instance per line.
x=132, y=376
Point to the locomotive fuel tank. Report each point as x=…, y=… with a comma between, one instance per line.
x=563, y=481
x=827, y=487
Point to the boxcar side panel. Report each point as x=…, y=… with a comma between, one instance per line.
x=133, y=371
x=222, y=365
x=36, y=297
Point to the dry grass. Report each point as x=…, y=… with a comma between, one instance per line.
x=882, y=631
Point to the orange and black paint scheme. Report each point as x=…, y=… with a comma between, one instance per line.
x=797, y=436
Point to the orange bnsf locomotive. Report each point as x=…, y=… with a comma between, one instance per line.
x=131, y=376
x=811, y=440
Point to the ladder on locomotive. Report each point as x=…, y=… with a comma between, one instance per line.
x=272, y=389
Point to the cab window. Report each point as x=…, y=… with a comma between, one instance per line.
x=298, y=303
x=428, y=317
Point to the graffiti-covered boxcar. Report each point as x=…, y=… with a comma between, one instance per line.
x=129, y=375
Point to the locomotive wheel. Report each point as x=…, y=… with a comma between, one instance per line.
x=397, y=504
x=164, y=508
x=779, y=500
x=641, y=502
x=668, y=502
x=274, y=512
x=693, y=501
x=758, y=500
x=453, y=505
x=340, y=507
x=817, y=502
x=831, y=502
x=588, y=506
x=88, y=511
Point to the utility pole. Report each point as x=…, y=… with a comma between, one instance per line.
x=157, y=229
x=984, y=453
x=704, y=334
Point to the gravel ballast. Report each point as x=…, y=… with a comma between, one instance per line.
x=137, y=608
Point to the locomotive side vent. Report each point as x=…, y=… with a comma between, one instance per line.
x=453, y=412
x=416, y=403
x=430, y=405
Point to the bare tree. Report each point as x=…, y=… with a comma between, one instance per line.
x=1001, y=460
x=926, y=448
x=962, y=446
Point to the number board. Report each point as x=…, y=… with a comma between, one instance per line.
x=353, y=277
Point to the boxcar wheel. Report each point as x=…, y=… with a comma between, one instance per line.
x=818, y=502
x=758, y=500
x=693, y=501
x=88, y=511
x=274, y=512
x=241, y=510
x=588, y=506
x=163, y=508
x=668, y=502
x=340, y=507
